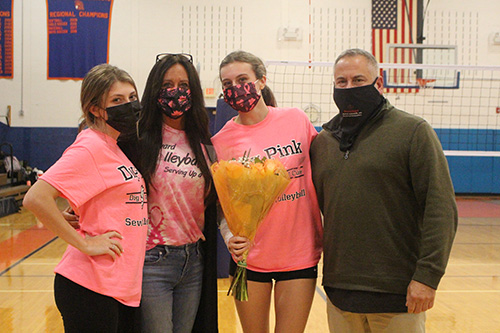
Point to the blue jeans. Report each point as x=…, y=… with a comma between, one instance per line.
x=171, y=288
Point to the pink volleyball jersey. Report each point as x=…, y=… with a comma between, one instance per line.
x=176, y=199
x=290, y=237
x=108, y=193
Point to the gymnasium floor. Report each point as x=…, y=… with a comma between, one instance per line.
x=468, y=299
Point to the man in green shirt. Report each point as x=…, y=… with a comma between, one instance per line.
x=388, y=204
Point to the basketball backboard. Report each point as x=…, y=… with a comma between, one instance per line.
x=417, y=66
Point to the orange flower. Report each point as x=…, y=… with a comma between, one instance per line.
x=247, y=189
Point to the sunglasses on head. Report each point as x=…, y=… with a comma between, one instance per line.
x=162, y=55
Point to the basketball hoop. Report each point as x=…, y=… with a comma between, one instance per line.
x=422, y=83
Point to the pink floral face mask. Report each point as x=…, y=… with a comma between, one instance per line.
x=242, y=97
x=174, y=102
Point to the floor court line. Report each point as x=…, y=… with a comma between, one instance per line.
x=468, y=291
x=45, y=263
x=26, y=291
x=474, y=264
x=27, y=245
x=321, y=293
x=48, y=275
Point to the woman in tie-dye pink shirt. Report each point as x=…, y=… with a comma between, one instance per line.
x=173, y=157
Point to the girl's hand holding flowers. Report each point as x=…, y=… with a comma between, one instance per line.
x=237, y=246
x=247, y=188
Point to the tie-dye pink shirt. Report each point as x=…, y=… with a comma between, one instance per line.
x=176, y=207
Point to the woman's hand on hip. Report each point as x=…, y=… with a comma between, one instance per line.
x=108, y=243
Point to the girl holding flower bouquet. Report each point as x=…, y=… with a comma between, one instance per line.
x=287, y=245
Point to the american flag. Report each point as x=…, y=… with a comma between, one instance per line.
x=394, y=22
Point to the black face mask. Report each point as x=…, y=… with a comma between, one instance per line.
x=356, y=105
x=123, y=117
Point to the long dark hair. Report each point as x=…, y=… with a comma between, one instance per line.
x=196, y=122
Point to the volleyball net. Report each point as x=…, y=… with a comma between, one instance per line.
x=462, y=103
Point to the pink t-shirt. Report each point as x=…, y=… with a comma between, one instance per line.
x=176, y=199
x=108, y=193
x=290, y=237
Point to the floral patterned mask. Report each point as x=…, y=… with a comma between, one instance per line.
x=242, y=97
x=174, y=102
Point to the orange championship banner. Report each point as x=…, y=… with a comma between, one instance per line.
x=6, y=40
x=78, y=36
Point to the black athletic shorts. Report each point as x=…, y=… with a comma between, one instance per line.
x=307, y=273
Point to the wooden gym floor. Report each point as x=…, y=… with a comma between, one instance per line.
x=468, y=298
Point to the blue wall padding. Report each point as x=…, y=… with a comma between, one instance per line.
x=223, y=258
x=223, y=114
x=474, y=174
x=41, y=147
x=469, y=139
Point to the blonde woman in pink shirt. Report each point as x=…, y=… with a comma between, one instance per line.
x=287, y=247
x=98, y=281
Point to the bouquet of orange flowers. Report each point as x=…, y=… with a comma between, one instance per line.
x=247, y=188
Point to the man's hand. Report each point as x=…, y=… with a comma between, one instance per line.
x=420, y=297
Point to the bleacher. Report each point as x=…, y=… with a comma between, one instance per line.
x=11, y=195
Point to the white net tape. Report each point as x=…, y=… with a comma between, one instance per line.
x=463, y=105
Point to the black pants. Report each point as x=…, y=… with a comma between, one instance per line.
x=83, y=310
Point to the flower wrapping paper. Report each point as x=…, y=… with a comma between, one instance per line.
x=247, y=189
x=246, y=193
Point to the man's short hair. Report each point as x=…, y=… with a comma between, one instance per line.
x=359, y=52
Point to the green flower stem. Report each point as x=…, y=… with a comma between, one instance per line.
x=239, y=284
